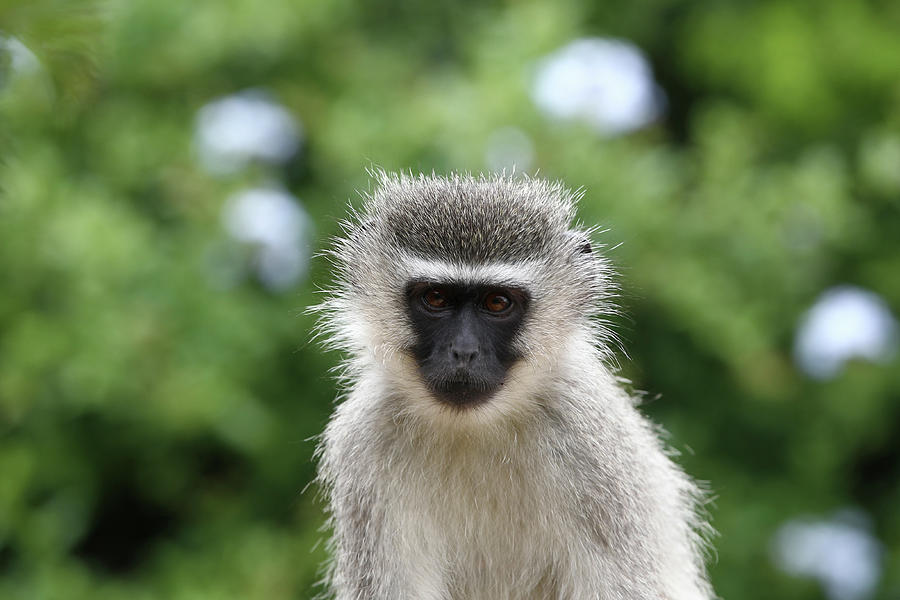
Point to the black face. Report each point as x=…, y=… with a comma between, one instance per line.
x=464, y=337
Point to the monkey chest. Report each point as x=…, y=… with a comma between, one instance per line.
x=494, y=535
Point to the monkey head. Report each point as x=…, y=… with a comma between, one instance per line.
x=462, y=289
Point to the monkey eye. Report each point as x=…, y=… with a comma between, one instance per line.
x=435, y=298
x=497, y=302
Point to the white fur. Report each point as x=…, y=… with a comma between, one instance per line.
x=522, y=274
x=555, y=489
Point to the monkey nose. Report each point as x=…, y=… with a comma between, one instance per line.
x=464, y=355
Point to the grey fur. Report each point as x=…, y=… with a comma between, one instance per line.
x=556, y=488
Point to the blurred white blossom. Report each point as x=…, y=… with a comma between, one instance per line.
x=244, y=127
x=19, y=59
x=606, y=82
x=841, y=553
x=509, y=149
x=846, y=322
x=277, y=228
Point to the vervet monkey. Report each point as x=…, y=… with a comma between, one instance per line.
x=484, y=448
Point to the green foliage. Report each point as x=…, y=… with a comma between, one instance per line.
x=155, y=419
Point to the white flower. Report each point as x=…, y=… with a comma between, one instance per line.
x=606, y=82
x=841, y=553
x=235, y=130
x=845, y=322
x=21, y=60
x=276, y=226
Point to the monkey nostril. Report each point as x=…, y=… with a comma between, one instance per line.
x=464, y=356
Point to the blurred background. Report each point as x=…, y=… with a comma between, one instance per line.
x=169, y=168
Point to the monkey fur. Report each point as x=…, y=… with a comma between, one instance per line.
x=551, y=486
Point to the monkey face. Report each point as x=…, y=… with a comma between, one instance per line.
x=464, y=337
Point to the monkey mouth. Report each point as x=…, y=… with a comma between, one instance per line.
x=463, y=391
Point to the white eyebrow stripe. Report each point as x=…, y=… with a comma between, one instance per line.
x=507, y=274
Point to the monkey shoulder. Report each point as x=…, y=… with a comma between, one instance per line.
x=611, y=458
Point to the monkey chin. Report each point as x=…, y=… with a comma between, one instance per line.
x=502, y=405
x=508, y=403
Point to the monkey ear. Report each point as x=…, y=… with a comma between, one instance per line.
x=581, y=243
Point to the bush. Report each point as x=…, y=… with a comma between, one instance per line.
x=158, y=392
